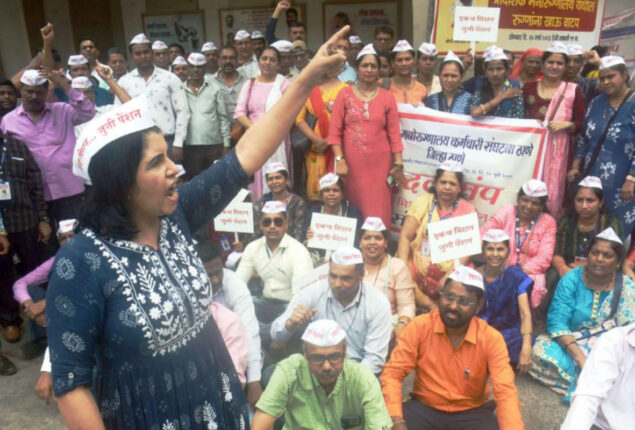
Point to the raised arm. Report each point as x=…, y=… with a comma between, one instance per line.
x=263, y=137
x=106, y=74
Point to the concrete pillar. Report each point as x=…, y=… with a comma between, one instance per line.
x=14, y=46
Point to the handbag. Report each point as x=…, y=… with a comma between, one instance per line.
x=596, y=152
x=299, y=139
x=238, y=130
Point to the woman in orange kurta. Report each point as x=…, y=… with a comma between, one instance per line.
x=403, y=87
x=319, y=157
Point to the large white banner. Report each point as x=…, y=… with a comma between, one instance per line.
x=498, y=155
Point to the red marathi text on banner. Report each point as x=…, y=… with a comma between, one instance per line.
x=559, y=15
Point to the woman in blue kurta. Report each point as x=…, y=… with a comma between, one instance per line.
x=128, y=306
x=452, y=98
x=495, y=94
x=581, y=310
x=507, y=291
x=615, y=164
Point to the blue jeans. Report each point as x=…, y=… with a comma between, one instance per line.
x=37, y=293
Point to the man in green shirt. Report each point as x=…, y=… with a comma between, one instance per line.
x=320, y=389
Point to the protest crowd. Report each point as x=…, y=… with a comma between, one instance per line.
x=147, y=314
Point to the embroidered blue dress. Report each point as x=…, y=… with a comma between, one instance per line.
x=461, y=102
x=501, y=309
x=509, y=108
x=135, y=322
x=617, y=156
x=583, y=313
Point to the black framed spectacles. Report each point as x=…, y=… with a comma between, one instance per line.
x=463, y=301
x=277, y=222
x=318, y=360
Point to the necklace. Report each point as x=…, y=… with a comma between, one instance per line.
x=603, y=287
x=367, y=96
x=520, y=243
x=378, y=270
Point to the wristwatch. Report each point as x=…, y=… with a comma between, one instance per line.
x=630, y=178
x=339, y=158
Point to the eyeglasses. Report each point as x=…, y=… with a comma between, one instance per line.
x=318, y=360
x=277, y=222
x=463, y=301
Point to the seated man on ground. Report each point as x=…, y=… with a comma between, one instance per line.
x=363, y=310
x=276, y=258
x=455, y=356
x=320, y=389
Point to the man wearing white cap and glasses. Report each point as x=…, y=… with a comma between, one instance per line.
x=607, y=132
x=277, y=259
x=165, y=93
x=136, y=259
x=363, y=311
x=321, y=389
x=455, y=357
x=160, y=55
x=208, y=130
x=246, y=58
x=211, y=53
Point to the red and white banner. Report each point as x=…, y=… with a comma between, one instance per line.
x=498, y=156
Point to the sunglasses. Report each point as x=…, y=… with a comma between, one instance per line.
x=276, y=221
x=318, y=360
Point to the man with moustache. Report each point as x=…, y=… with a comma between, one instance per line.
x=228, y=79
x=321, y=389
x=246, y=58
x=78, y=66
x=160, y=55
x=117, y=62
x=8, y=97
x=364, y=311
x=211, y=56
x=454, y=355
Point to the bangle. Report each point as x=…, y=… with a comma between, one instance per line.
x=482, y=110
x=398, y=165
x=401, y=421
x=3, y=233
x=567, y=345
x=402, y=322
x=527, y=333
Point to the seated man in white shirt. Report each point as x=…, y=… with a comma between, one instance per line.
x=230, y=291
x=276, y=258
x=362, y=310
x=605, y=395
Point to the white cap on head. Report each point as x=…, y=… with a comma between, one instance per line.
x=373, y=223
x=275, y=166
x=451, y=56
x=494, y=54
x=451, y=166
x=428, y=49
x=196, y=59
x=573, y=49
x=81, y=83
x=347, y=256
x=159, y=45
x=125, y=119
x=32, y=78
x=76, y=60
x=242, y=35
x=328, y=180
x=591, y=182
x=467, y=276
x=610, y=235
x=283, y=46
x=535, y=188
x=66, y=226
x=354, y=39
x=180, y=61
x=324, y=333
x=366, y=50
x=558, y=48
x=256, y=34
x=402, y=46
x=208, y=46
x=139, y=39
x=610, y=61
x=495, y=236
x=273, y=207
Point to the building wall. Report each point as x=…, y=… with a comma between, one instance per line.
x=14, y=42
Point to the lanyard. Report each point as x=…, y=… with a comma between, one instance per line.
x=446, y=216
x=520, y=243
x=581, y=242
x=328, y=301
x=2, y=157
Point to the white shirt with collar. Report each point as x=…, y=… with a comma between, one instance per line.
x=277, y=269
x=251, y=69
x=166, y=96
x=605, y=394
x=367, y=321
x=235, y=296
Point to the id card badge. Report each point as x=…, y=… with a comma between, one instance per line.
x=224, y=244
x=5, y=191
x=425, y=248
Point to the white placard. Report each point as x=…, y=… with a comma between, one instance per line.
x=237, y=217
x=454, y=238
x=331, y=231
x=308, y=279
x=478, y=24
